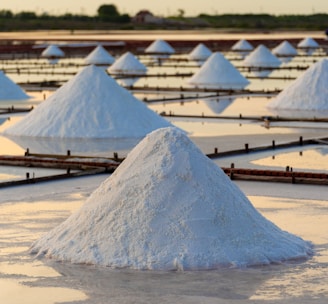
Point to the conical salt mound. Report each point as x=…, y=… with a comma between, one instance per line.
x=128, y=64
x=261, y=57
x=308, y=42
x=90, y=105
x=52, y=51
x=159, y=46
x=200, y=53
x=307, y=92
x=242, y=45
x=218, y=72
x=9, y=90
x=184, y=213
x=284, y=49
x=99, y=56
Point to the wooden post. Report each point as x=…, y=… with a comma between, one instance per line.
x=273, y=144
x=68, y=152
x=215, y=150
x=246, y=148
x=115, y=156
x=27, y=175
x=301, y=140
x=232, y=165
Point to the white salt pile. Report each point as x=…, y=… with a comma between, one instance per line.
x=284, y=51
x=200, y=53
x=52, y=53
x=308, y=45
x=262, y=58
x=183, y=214
x=160, y=46
x=128, y=64
x=90, y=105
x=9, y=90
x=100, y=57
x=307, y=92
x=242, y=45
x=218, y=72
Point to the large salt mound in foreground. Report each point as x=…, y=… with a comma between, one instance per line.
x=9, y=90
x=307, y=92
x=90, y=105
x=168, y=207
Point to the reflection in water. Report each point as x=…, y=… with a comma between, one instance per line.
x=315, y=159
x=218, y=105
x=62, y=145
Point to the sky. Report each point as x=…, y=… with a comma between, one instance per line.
x=168, y=7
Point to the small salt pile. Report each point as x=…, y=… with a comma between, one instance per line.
x=218, y=72
x=128, y=64
x=9, y=90
x=159, y=50
x=284, y=51
x=200, y=53
x=260, y=59
x=308, y=92
x=308, y=45
x=90, y=105
x=242, y=48
x=100, y=57
x=53, y=53
x=169, y=207
x=159, y=46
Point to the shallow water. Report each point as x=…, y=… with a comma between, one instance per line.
x=50, y=281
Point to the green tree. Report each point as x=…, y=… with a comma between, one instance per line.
x=108, y=12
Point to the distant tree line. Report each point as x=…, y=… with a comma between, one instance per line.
x=266, y=21
x=108, y=16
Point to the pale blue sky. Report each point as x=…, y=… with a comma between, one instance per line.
x=169, y=7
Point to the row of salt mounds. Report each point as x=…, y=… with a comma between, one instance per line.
x=262, y=60
x=9, y=90
x=53, y=53
x=284, y=51
x=308, y=45
x=200, y=54
x=218, y=73
x=184, y=214
x=99, y=57
x=90, y=105
x=307, y=92
x=242, y=48
x=126, y=65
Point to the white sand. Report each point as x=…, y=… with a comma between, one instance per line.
x=183, y=214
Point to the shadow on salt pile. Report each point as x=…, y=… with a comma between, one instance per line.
x=74, y=145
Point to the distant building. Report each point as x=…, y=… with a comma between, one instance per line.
x=145, y=16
